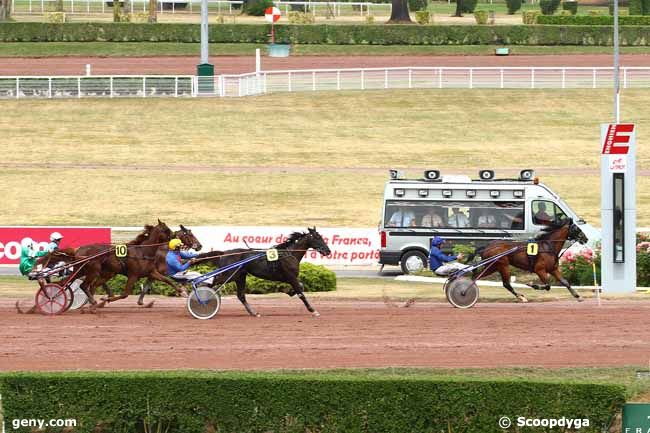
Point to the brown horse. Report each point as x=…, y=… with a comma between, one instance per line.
x=544, y=263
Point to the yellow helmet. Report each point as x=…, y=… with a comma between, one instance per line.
x=175, y=243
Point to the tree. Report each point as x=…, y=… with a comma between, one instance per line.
x=459, y=8
x=400, y=13
x=5, y=10
x=153, y=11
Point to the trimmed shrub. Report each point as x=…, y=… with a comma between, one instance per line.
x=301, y=18
x=571, y=6
x=513, y=6
x=468, y=6
x=601, y=20
x=339, y=34
x=423, y=17
x=297, y=402
x=256, y=8
x=548, y=7
x=418, y=5
x=55, y=17
x=529, y=17
x=481, y=17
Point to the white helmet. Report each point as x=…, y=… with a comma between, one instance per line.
x=27, y=242
x=56, y=236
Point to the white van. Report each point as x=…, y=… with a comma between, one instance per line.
x=464, y=211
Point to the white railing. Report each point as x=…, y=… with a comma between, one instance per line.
x=219, y=7
x=97, y=86
x=314, y=80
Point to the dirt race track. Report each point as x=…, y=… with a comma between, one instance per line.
x=244, y=64
x=348, y=334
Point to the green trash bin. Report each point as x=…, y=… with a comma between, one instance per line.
x=205, y=85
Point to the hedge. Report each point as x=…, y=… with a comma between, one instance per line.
x=326, y=34
x=589, y=20
x=198, y=402
x=314, y=278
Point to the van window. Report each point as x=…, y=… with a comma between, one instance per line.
x=546, y=212
x=455, y=214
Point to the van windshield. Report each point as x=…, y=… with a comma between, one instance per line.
x=507, y=215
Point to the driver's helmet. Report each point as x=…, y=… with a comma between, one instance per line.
x=56, y=236
x=175, y=243
x=437, y=241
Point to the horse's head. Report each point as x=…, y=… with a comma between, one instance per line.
x=187, y=237
x=160, y=233
x=575, y=233
x=316, y=241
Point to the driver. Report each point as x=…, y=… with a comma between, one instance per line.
x=441, y=263
x=179, y=261
x=28, y=256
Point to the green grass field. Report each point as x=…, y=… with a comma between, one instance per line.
x=118, y=49
x=288, y=159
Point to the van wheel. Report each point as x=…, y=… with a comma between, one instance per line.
x=413, y=261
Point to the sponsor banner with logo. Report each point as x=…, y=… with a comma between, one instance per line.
x=349, y=246
x=12, y=238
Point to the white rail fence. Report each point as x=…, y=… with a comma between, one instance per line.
x=314, y=80
x=218, y=7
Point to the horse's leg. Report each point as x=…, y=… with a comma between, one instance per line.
x=130, y=282
x=297, y=287
x=504, y=270
x=241, y=294
x=146, y=287
x=558, y=275
x=160, y=277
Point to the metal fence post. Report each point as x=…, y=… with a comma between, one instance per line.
x=410, y=78
x=144, y=87
x=289, y=77
x=532, y=78
x=385, y=78
x=501, y=71
x=313, y=81
x=110, y=83
x=593, y=85
x=17, y=87
x=49, y=87
x=363, y=80
x=338, y=80
x=176, y=87
x=563, y=78
x=79, y=87
x=471, y=78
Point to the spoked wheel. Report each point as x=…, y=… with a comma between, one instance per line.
x=79, y=298
x=461, y=292
x=51, y=299
x=203, y=303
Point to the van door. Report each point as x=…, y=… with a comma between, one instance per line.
x=546, y=212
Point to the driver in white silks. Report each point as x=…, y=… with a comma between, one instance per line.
x=440, y=263
x=178, y=263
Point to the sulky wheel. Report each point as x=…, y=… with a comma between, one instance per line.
x=79, y=298
x=203, y=303
x=51, y=299
x=461, y=292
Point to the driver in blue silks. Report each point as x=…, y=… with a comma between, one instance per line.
x=441, y=263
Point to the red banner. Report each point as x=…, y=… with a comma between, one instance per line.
x=11, y=239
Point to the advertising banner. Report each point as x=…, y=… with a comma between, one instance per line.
x=11, y=239
x=349, y=246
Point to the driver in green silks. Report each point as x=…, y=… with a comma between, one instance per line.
x=28, y=256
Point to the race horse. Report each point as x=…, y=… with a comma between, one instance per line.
x=545, y=263
x=285, y=269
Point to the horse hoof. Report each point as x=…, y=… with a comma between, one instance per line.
x=315, y=314
x=523, y=299
x=257, y=315
x=580, y=299
x=149, y=305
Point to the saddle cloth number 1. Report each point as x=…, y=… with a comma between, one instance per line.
x=532, y=249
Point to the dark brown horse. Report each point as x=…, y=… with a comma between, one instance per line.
x=285, y=269
x=545, y=263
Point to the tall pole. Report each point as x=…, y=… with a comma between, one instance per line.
x=204, y=31
x=617, y=84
